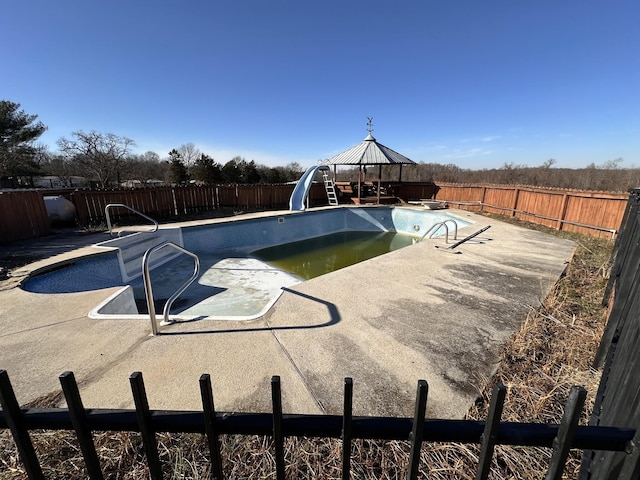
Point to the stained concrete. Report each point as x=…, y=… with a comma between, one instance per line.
x=417, y=313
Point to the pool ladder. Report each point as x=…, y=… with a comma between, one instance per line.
x=147, y=284
x=434, y=228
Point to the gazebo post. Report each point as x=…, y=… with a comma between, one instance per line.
x=359, y=180
x=379, y=181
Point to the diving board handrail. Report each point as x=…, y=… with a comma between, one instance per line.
x=149, y=291
x=434, y=228
x=122, y=205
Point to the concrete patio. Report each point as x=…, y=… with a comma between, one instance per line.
x=417, y=313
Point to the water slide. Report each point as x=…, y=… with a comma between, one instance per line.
x=299, y=196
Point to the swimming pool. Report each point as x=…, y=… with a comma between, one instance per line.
x=235, y=282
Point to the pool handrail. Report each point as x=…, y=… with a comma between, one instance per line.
x=149, y=291
x=122, y=205
x=434, y=228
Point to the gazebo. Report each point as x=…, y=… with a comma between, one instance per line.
x=369, y=152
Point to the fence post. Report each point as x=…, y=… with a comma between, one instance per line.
x=563, y=210
x=514, y=208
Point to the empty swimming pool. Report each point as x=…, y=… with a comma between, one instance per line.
x=243, y=270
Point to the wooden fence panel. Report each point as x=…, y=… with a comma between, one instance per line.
x=414, y=190
x=592, y=213
x=617, y=398
x=281, y=195
x=499, y=200
x=317, y=195
x=472, y=194
x=23, y=215
x=248, y=197
x=606, y=212
x=227, y=196
x=90, y=205
x=541, y=207
x=267, y=197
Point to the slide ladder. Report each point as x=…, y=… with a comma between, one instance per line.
x=330, y=188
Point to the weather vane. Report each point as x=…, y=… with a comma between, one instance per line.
x=369, y=125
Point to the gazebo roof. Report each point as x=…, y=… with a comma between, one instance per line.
x=369, y=152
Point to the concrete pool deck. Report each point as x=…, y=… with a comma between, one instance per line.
x=416, y=313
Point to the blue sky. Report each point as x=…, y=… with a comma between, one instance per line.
x=473, y=83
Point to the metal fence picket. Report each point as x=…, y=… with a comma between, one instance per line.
x=146, y=425
x=417, y=432
x=79, y=421
x=278, y=437
x=347, y=412
x=206, y=392
x=15, y=422
x=566, y=432
x=490, y=433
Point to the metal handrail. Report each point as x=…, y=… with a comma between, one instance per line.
x=149, y=291
x=434, y=228
x=122, y=205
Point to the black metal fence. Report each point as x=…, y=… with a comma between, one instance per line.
x=562, y=437
x=618, y=397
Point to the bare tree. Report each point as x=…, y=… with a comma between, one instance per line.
x=549, y=163
x=145, y=168
x=613, y=164
x=99, y=155
x=189, y=154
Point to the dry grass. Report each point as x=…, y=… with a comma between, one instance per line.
x=551, y=352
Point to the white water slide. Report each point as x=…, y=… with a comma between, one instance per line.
x=298, y=200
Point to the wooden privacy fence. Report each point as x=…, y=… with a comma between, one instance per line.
x=597, y=214
x=22, y=215
x=166, y=202
x=617, y=401
x=278, y=425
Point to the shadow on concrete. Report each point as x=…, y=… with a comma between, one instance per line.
x=334, y=319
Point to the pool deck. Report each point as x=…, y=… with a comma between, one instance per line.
x=417, y=313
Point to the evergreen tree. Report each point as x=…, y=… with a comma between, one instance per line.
x=18, y=132
x=177, y=169
x=206, y=170
x=231, y=171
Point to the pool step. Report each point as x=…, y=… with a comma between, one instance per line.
x=132, y=248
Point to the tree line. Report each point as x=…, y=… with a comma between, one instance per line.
x=608, y=176
x=106, y=160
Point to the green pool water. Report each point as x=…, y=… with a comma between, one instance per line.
x=317, y=256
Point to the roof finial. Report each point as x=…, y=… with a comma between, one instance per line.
x=369, y=125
